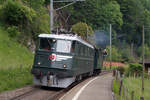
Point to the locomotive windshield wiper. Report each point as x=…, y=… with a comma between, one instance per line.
x=48, y=41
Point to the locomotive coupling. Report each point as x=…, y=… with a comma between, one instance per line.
x=37, y=73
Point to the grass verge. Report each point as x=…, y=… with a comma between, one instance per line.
x=13, y=78
x=133, y=84
x=12, y=55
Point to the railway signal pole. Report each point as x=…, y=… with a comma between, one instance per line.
x=51, y=10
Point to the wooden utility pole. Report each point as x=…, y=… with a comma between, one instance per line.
x=143, y=59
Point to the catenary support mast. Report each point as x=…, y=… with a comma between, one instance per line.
x=51, y=16
x=51, y=10
x=110, y=46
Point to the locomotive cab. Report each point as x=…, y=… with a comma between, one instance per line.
x=51, y=51
x=53, y=61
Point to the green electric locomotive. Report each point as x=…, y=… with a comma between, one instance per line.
x=61, y=59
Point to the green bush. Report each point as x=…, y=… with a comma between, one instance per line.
x=82, y=29
x=146, y=75
x=40, y=23
x=134, y=70
x=13, y=31
x=147, y=53
x=15, y=13
x=1, y=12
x=126, y=56
x=116, y=55
x=121, y=70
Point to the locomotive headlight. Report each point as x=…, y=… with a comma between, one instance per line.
x=39, y=63
x=65, y=66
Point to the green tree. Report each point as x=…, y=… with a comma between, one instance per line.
x=134, y=16
x=2, y=1
x=82, y=29
x=116, y=55
x=35, y=4
x=40, y=23
x=97, y=13
x=147, y=53
x=15, y=13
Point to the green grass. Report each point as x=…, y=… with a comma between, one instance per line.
x=108, y=68
x=133, y=84
x=116, y=86
x=116, y=90
x=13, y=78
x=12, y=55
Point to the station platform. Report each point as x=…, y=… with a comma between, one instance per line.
x=95, y=88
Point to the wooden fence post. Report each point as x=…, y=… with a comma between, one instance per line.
x=119, y=75
x=127, y=94
x=123, y=91
x=120, y=88
x=116, y=75
x=132, y=95
x=114, y=72
x=141, y=98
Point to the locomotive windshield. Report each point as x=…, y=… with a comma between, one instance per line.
x=63, y=46
x=47, y=44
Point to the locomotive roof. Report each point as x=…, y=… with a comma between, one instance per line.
x=66, y=37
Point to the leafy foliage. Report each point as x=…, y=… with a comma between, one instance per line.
x=135, y=15
x=35, y=4
x=98, y=13
x=40, y=23
x=134, y=70
x=82, y=29
x=116, y=54
x=15, y=13
x=13, y=31
x=147, y=53
x=121, y=70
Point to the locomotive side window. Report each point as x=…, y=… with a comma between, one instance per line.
x=78, y=48
x=47, y=44
x=73, y=46
x=63, y=46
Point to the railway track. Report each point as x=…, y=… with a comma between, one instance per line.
x=25, y=94
x=39, y=93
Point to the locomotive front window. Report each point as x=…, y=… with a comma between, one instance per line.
x=47, y=44
x=63, y=46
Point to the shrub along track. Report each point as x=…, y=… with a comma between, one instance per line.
x=45, y=93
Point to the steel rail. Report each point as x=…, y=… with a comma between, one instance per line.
x=19, y=97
